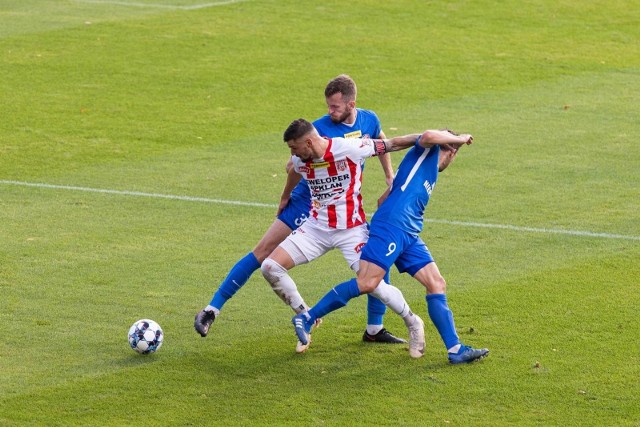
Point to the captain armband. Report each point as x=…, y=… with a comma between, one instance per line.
x=380, y=147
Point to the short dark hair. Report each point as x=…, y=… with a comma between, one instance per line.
x=342, y=84
x=297, y=129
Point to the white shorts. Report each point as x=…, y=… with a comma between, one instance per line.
x=309, y=242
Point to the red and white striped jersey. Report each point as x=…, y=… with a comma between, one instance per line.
x=335, y=182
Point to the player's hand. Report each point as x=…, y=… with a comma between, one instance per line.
x=467, y=138
x=283, y=204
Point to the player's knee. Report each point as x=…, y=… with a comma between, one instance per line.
x=263, y=249
x=272, y=271
x=437, y=285
x=367, y=285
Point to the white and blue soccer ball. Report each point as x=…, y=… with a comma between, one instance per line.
x=145, y=336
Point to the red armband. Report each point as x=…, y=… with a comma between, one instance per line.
x=380, y=147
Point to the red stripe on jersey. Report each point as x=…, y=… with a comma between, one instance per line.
x=311, y=173
x=328, y=157
x=332, y=216
x=350, y=202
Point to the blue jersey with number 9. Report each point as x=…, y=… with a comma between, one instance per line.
x=412, y=186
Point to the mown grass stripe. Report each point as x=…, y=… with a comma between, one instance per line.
x=161, y=6
x=580, y=233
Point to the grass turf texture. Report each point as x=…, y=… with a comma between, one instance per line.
x=193, y=102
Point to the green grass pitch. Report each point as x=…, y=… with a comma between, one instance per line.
x=126, y=127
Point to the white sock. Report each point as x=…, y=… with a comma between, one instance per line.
x=374, y=329
x=214, y=309
x=410, y=319
x=455, y=348
x=283, y=285
x=393, y=298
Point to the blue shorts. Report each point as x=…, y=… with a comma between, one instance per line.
x=296, y=212
x=390, y=245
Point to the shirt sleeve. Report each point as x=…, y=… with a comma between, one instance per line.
x=358, y=149
x=295, y=161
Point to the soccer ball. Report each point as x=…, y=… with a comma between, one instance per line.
x=145, y=336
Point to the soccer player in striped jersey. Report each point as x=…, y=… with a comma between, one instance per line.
x=332, y=168
x=345, y=120
x=395, y=239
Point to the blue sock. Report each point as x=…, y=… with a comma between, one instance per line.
x=336, y=298
x=442, y=318
x=375, y=307
x=236, y=278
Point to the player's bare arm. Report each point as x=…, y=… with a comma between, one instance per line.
x=426, y=140
x=293, y=178
x=442, y=137
x=396, y=143
x=385, y=162
x=387, y=167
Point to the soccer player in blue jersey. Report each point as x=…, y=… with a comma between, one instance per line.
x=343, y=120
x=394, y=238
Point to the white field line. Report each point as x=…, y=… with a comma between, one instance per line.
x=138, y=194
x=535, y=230
x=273, y=206
x=161, y=6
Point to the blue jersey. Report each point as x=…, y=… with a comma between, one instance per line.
x=367, y=124
x=412, y=186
